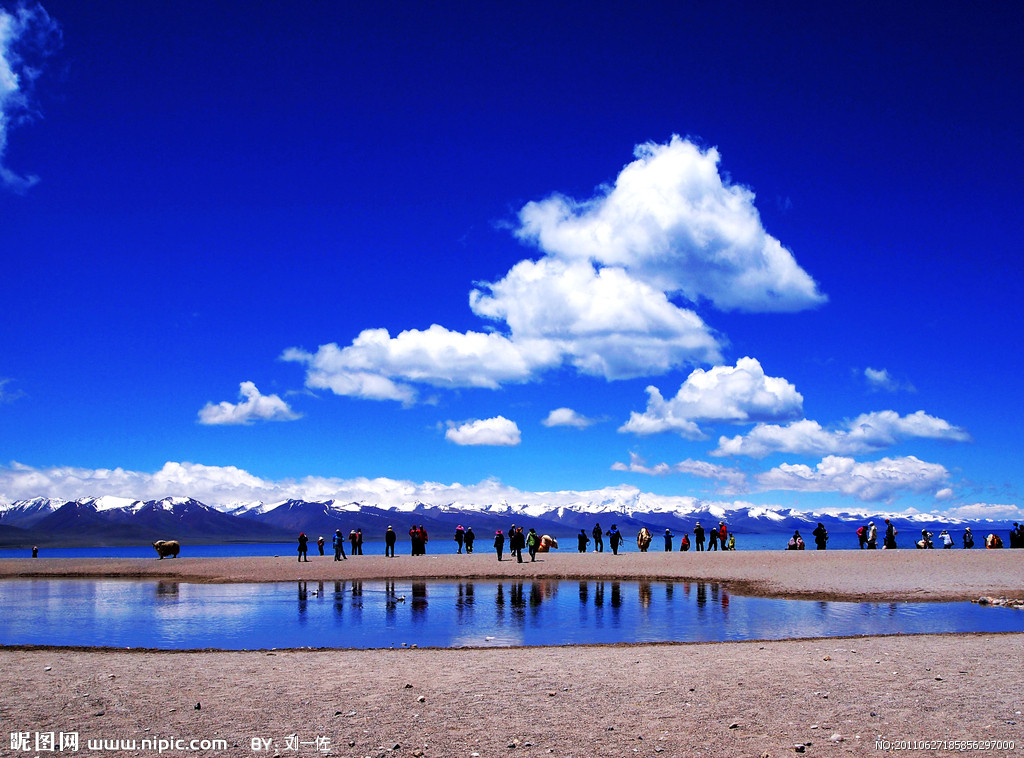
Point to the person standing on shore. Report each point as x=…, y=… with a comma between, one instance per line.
x=862, y=536
x=338, y=543
x=460, y=536
x=533, y=542
x=614, y=538
x=698, y=537
x=359, y=540
x=968, y=539
x=872, y=536
x=424, y=539
x=517, y=543
x=712, y=539
x=390, y=538
x=303, y=547
x=820, y=536
x=582, y=540
x=598, y=540
x=414, y=540
x=320, y=544
x=723, y=535
x=499, y=543
x=470, y=538
x=947, y=541
x=668, y=540
x=890, y=536
x=684, y=543
x=352, y=539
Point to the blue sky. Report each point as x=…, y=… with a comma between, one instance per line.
x=719, y=251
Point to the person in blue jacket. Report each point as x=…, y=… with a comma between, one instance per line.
x=614, y=538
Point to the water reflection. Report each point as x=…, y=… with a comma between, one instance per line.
x=396, y=612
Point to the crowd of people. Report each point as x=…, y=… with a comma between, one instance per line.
x=716, y=537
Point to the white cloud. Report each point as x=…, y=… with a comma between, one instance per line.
x=994, y=511
x=380, y=367
x=671, y=221
x=567, y=417
x=600, y=299
x=28, y=32
x=881, y=380
x=867, y=433
x=734, y=480
x=255, y=407
x=602, y=321
x=944, y=494
x=491, y=431
x=884, y=479
x=724, y=394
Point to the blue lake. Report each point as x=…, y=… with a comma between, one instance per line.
x=381, y=614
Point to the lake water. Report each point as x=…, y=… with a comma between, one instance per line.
x=354, y=614
x=837, y=541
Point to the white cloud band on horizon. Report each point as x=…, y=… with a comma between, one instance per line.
x=255, y=407
x=229, y=486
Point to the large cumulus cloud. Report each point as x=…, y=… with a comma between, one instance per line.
x=612, y=294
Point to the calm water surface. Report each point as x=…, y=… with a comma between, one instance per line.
x=174, y=615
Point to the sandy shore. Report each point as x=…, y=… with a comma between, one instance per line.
x=722, y=699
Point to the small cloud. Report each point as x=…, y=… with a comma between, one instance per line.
x=994, y=511
x=733, y=480
x=567, y=417
x=256, y=407
x=946, y=493
x=880, y=380
x=6, y=395
x=497, y=431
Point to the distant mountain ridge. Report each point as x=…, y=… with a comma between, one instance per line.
x=109, y=520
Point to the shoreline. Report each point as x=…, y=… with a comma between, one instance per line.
x=853, y=576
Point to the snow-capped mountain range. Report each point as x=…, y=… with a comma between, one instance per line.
x=110, y=520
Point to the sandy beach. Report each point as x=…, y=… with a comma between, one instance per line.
x=836, y=696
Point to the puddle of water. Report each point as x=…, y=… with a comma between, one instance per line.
x=174, y=615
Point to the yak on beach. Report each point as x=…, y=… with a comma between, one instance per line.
x=547, y=542
x=166, y=548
